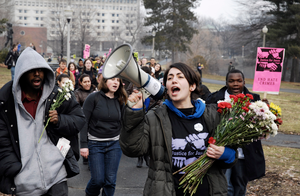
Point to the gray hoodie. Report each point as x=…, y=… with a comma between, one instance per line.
x=42, y=163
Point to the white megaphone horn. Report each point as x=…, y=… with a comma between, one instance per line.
x=120, y=63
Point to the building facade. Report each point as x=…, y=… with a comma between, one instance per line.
x=103, y=24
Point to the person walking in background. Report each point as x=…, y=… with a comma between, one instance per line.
x=90, y=70
x=85, y=88
x=199, y=68
x=100, y=138
x=230, y=67
x=11, y=60
x=176, y=134
x=61, y=80
x=31, y=45
x=29, y=166
x=251, y=162
x=73, y=69
x=62, y=69
x=159, y=75
x=80, y=65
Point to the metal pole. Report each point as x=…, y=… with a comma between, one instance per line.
x=68, y=42
x=153, y=41
x=264, y=40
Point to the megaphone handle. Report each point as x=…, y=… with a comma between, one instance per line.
x=145, y=93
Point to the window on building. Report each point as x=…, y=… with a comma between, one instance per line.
x=98, y=21
x=42, y=18
x=42, y=25
x=88, y=27
x=42, y=11
x=103, y=14
x=36, y=18
x=98, y=33
x=117, y=21
x=103, y=27
x=117, y=15
x=112, y=27
x=25, y=24
x=20, y=11
x=52, y=25
x=112, y=34
x=29, y=3
x=36, y=11
x=98, y=27
x=25, y=11
x=103, y=21
x=33, y=4
x=25, y=3
x=20, y=17
x=88, y=20
x=112, y=15
x=37, y=4
x=25, y=17
x=98, y=14
x=127, y=34
x=127, y=15
x=117, y=28
x=113, y=21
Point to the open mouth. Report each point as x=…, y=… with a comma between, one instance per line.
x=175, y=90
x=36, y=82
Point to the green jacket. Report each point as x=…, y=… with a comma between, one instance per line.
x=153, y=136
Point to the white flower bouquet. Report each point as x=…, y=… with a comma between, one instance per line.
x=63, y=94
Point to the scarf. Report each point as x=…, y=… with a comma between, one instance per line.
x=199, y=105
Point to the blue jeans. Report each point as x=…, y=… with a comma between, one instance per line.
x=104, y=159
x=12, y=70
x=236, y=179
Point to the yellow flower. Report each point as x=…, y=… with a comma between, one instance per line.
x=275, y=109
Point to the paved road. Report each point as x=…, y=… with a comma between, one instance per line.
x=130, y=179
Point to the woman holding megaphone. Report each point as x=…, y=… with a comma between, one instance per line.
x=174, y=135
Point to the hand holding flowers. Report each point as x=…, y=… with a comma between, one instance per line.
x=63, y=94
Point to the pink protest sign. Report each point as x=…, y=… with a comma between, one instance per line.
x=268, y=69
x=86, y=52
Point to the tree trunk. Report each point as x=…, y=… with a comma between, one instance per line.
x=285, y=67
x=61, y=48
x=294, y=70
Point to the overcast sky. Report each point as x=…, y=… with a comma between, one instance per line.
x=217, y=9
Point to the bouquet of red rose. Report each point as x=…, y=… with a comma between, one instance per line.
x=242, y=122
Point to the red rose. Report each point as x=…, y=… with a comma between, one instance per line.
x=241, y=95
x=232, y=96
x=250, y=96
x=211, y=140
x=220, y=110
x=224, y=105
x=245, y=108
x=279, y=121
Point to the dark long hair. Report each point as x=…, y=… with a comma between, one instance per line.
x=191, y=76
x=121, y=93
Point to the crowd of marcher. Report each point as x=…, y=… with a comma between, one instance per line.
x=168, y=134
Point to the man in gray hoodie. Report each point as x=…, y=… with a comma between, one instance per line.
x=29, y=167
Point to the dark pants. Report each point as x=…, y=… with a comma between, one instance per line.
x=104, y=159
x=236, y=178
x=60, y=189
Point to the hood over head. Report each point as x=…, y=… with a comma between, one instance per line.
x=28, y=60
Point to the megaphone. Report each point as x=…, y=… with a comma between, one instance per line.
x=120, y=63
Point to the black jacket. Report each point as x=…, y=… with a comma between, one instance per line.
x=10, y=159
x=254, y=154
x=11, y=58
